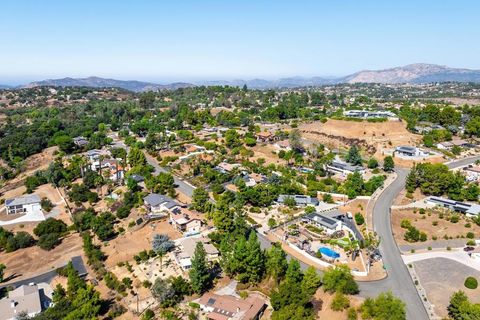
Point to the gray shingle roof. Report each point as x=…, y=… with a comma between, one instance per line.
x=155, y=199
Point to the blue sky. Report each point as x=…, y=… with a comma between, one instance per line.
x=206, y=39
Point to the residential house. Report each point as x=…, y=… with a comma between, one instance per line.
x=328, y=224
x=446, y=145
x=80, y=141
x=28, y=299
x=366, y=114
x=186, y=221
x=27, y=204
x=186, y=250
x=332, y=221
x=225, y=167
x=463, y=143
x=190, y=148
x=283, y=145
x=265, y=136
x=472, y=173
x=227, y=307
x=344, y=168
x=95, y=156
x=469, y=209
x=409, y=151
x=114, y=169
x=158, y=204
x=300, y=200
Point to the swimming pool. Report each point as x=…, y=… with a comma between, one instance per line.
x=329, y=252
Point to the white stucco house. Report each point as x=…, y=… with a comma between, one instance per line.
x=26, y=204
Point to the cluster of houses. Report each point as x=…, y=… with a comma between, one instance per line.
x=100, y=160
x=448, y=145
x=182, y=219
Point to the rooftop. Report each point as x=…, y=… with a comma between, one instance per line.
x=155, y=199
x=189, y=244
x=227, y=306
x=23, y=200
x=323, y=220
x=25, y=298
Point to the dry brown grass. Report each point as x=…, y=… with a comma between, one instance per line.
x=32, y=261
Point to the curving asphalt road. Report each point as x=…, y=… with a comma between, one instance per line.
x=398, y=280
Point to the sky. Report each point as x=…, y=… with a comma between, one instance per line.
x=187, y=40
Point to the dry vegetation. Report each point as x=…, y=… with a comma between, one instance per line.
x=380, y=135
x=434, y=223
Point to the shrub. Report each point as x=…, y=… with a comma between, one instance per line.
x=359, y=219
x=340, y=302
x=470, y=235
x=327, y=197
x=405, y=224
x=454, y=218
x=352, y=314
x=471, y=283
x=46, y=205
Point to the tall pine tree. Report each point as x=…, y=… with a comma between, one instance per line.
x=200, y=274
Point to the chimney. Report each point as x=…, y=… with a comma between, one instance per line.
x=13, y=304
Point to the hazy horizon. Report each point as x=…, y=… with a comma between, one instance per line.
x=215, y=40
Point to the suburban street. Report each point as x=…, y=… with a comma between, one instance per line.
x=398, y=280
x=184, y=187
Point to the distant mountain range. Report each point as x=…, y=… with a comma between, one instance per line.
x=413, y=73
x=97, y=82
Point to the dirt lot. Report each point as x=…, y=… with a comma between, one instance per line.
x=265, y=151
x=441, y=278
x=32, y=261
x=424, y=222
x=125, y=246
x=39, y=161
x=381, y=135
x=323, y=301
x=402, y=200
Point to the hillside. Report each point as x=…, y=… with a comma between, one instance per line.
x=96, y=82
x=414, y=73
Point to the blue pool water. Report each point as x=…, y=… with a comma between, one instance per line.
x=329, y=252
